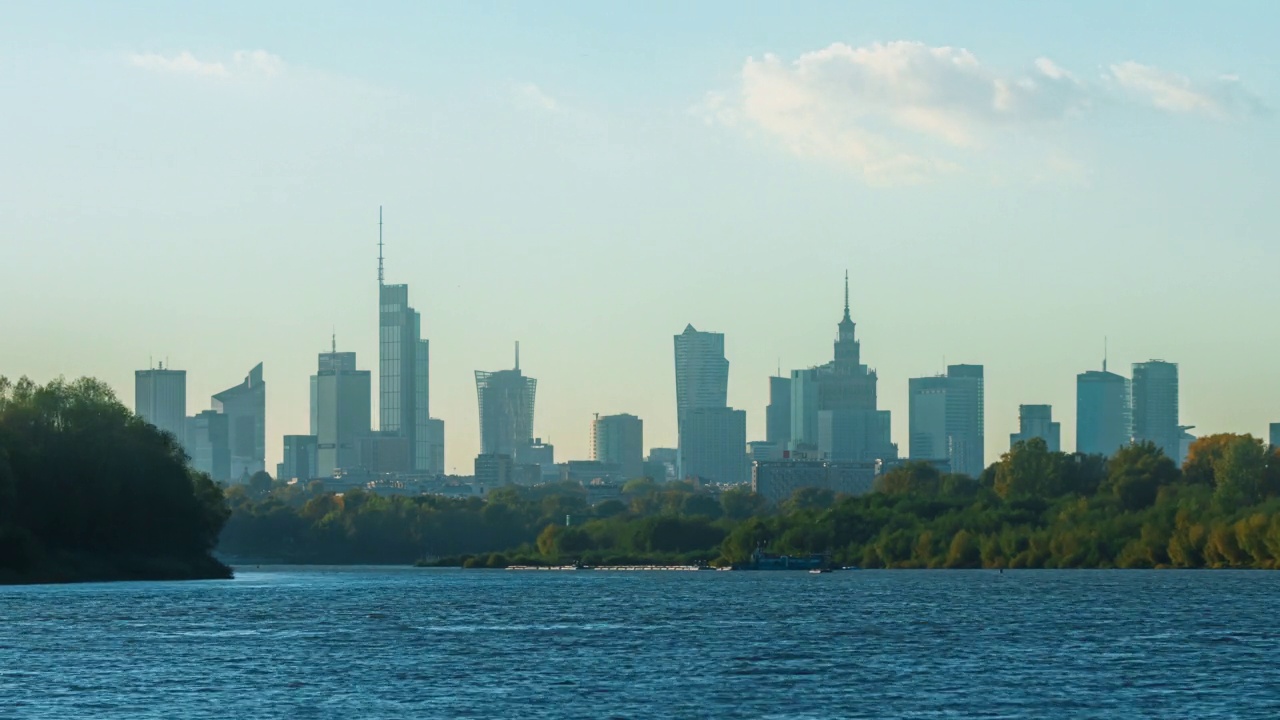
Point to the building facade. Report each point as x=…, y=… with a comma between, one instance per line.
x=160, y=398
x=301, y=459
x=341, y=412
x=245, y=406
x=619, y=440
x=713, y=446
x=1155, y=406
x=493, y=470
x=1275, y=435
x=777, y=416
x=778, y=480
x=1104, y=414
x=947, y=418
x=404, y=362
x=1036, y=421
x=702, y=371
x=208, y=443
x=435, y=442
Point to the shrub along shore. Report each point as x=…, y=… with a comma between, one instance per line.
x=1031, y=509
x=91, y=492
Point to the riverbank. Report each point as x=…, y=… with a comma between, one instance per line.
x=60, y=568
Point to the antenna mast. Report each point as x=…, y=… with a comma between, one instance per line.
x=379, y=246
x=517, y=355
x=1104, y=353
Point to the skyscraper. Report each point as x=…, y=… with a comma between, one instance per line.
x=833, y=406
x=506, y=399
x=702, y=384
x=1155, y=406
x=1275, y=435
x=702, y=372
x=340, y=411
x=245, y=406
x=160, y=398
x=777, y=416
x=435, y=436
x=619, y=440
x=1036, y=421
x=1104, y=415
x=208, y=443
x=403, y=369
x=947, y=418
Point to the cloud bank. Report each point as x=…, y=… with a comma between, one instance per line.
x=904, y=111
x=242, y=63
x=1221, y=97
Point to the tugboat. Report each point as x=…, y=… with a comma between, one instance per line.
x=760, y=560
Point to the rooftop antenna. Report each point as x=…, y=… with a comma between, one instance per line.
x=517, y=355
x=1104, y=353
x=379, y=246
x=846, y=293
x=334, y=339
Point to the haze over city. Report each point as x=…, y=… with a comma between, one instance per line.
x=1005, y=188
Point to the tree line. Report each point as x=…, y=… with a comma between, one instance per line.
x=1032, y=509
x=89, y=491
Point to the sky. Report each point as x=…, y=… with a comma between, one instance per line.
x=1007, y=183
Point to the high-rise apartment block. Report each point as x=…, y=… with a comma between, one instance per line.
x=340, y=411
x=833, y=406
x=506, y=399
x=1155, y=406
x=946, y=418
x=1104, y=414
x=160, y=398
x=619, y=440
x=245, y=406
x=1036, y=421
x=1275, y=435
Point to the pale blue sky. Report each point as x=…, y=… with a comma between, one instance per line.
x=1007, y=183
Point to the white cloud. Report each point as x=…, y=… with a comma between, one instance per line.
x=532, y=95
x=242, y=63
x=863, y=106
x=1222, y=97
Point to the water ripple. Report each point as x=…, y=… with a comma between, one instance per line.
x=397, y=643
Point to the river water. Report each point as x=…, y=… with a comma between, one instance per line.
x=406, y=643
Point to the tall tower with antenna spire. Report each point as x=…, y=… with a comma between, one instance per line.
x=833, y=406
x=403, y=376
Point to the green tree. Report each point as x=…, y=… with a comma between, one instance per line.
x=259, y=483
x=1239, y=469
x=911, y=477
x=1029, y=469
x=740, y=503
x=1137, y=472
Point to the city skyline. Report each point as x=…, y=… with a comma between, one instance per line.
x=562, y=184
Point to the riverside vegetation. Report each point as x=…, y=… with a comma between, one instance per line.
x=89, y=491
x=1031, y=509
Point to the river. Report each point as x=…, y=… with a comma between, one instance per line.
x=319, y=642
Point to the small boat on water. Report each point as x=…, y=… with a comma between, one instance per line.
x=819, y=571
